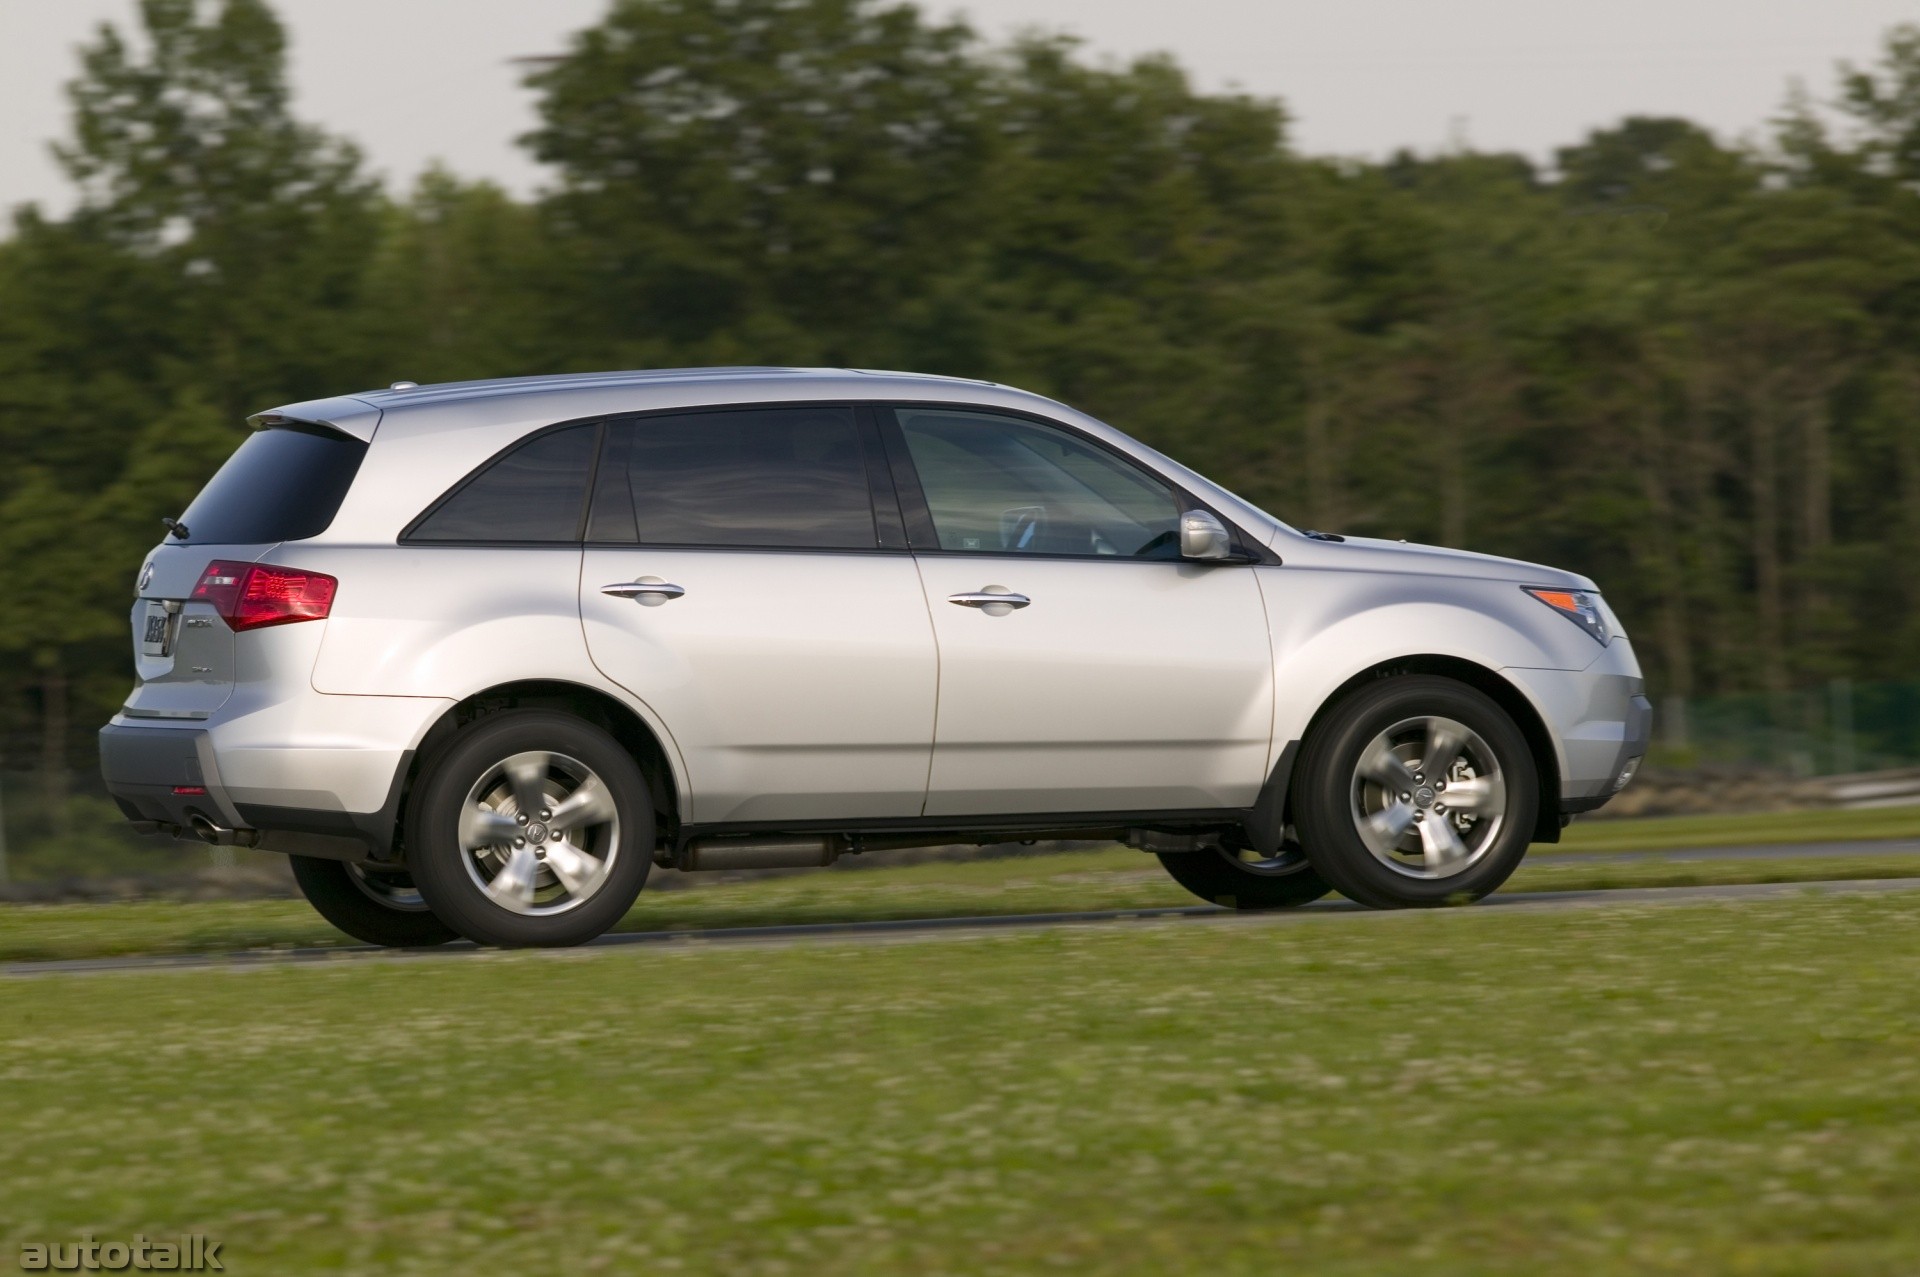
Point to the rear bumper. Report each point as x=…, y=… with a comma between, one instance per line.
x=168, y=780
x=165, y=778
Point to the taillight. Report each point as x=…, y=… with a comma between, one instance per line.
x=251, y=595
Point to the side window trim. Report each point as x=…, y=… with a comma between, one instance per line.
x=593, y=481
x=889, y=511
x=914, y=511
x=903, y=522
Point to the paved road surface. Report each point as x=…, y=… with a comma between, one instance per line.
x=925, y=928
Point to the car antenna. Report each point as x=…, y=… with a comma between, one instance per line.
x=175, y=527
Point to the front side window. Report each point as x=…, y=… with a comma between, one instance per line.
x=770, y=478
x=1006, y=485
x=531, y=495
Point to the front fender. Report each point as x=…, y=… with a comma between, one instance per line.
x=1330, y=627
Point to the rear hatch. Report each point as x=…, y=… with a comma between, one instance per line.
x=284, y=483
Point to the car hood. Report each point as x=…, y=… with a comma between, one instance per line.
x=1371, y=554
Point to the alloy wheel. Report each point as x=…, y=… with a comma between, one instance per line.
x=1428, y=797
x=539, y=833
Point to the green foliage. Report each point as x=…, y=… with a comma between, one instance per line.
x=1688, y=369
x=215, y=265
x=1886, y=101
x=758, y=181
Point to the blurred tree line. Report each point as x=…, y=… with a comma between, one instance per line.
x=1689, y=369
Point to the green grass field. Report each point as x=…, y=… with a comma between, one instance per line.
x=1060, y=883
x=1685, y=1089
x=1664, y=832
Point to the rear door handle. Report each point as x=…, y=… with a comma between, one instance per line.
x=995, y=600
x=649, y=591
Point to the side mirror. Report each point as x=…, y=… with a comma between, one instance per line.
x=1204, y=537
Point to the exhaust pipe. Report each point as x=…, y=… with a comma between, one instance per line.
x=762, y=853
x=219, y=836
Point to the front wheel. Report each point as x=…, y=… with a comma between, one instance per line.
x=375, y=905
x=1416, y=790
x=532, y=829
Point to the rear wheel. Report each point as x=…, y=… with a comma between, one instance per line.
x=370, y=904
x=533, y=828
x=1416, y=790
x=1245, y=879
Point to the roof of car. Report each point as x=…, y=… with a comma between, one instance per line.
x=445, y=392
x=357, y=413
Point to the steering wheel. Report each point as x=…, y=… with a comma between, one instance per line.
x=1024, y=527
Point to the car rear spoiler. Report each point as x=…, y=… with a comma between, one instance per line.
x=352, y=417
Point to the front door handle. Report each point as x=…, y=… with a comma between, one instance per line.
x=648, y=591
x=994, y=600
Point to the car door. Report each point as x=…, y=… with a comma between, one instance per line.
x=737, y=580
x=1116, y=677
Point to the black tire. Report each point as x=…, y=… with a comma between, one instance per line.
x=1222, y=876
x=450, y=874
x=1328, y=791
x=371, y=905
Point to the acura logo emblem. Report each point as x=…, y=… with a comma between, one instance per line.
x=146, y=578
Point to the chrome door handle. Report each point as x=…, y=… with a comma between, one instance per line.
x=991, y=598
x=650, y=591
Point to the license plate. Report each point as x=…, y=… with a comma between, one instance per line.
x=153, y=639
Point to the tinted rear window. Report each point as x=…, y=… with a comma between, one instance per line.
x=778, y=478
x=284, y=483
x=533, y=494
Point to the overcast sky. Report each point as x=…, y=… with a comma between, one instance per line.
x=416, y=80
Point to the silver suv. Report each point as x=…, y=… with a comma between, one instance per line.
x=477, y=656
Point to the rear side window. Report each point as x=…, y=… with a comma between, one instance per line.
x=533, y=494
x=284, y=483
x=774, y=478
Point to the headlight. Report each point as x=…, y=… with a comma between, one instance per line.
x=1582, y=607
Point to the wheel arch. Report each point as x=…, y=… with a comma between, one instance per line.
x=603, y=710
x=1503, y=692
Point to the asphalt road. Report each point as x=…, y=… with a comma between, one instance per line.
x=936, y=927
